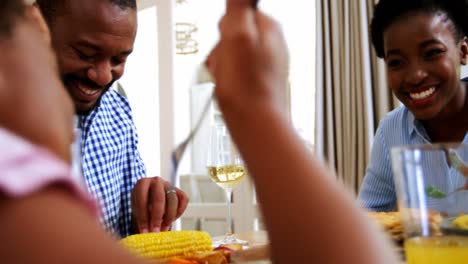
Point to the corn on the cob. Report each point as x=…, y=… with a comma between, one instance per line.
x=170, y=244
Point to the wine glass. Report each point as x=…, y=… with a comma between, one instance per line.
x=433, y=201
x=226, y=169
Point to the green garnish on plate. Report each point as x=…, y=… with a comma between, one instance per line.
x=435, y=192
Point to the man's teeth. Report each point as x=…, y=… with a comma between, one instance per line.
x=423, y=94
x=88, y=91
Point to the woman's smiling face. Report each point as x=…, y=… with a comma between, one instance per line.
x=423, y=56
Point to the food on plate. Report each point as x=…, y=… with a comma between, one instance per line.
x=178, y=247
x=168, y=245
x=391, y=222
x=231, y=247
x=211, y=257
x=434, y=218
x=435, y=192
x=181, y=261
x=460, y=222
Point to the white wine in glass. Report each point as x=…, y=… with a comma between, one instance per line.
x=226, y=169
x=227, y=176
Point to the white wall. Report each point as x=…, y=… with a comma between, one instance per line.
x=140, y=82
x=464, y=71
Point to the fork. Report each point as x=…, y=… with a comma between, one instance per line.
x=456, y=162
x=179, y=151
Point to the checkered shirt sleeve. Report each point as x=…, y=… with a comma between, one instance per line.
x=111, y=162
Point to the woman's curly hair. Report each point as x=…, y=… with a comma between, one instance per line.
x=388, y=11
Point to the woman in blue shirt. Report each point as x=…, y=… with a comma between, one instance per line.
x=424, y=45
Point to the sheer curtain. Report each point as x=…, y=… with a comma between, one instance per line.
x=352, y=94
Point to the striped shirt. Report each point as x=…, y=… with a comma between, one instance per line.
x=111, y=162
x=399, y=127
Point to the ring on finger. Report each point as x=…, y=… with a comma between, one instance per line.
x=172, y=190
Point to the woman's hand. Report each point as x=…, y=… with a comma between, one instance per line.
x=250, y=62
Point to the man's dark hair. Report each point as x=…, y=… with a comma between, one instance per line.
x=125, y=3
x=50, y=8
x=388, y=11
x=10, y=11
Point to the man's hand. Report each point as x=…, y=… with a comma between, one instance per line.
x=155, y=204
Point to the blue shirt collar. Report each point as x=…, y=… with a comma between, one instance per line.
x=415, y=126
x=413, y=123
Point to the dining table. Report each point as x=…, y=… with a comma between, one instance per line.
x=255, y=252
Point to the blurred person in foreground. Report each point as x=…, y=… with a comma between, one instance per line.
x=92, y=40
x=250, y=67
x=44, y=216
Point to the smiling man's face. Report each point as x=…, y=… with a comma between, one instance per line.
x=92, y=40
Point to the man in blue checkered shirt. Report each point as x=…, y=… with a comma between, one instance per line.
x=92, y=40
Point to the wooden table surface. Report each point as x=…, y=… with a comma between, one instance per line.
x=258, y=239
x=257, y=246
x=255, y=238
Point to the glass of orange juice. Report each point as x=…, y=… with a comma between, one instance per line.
x=433, y=200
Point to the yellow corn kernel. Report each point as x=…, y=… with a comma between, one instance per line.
x=170, y=244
